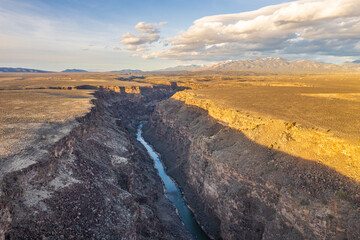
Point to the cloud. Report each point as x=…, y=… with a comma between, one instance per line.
x=327, y=27
x=149, y=33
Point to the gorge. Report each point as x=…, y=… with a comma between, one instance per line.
x=99, y=182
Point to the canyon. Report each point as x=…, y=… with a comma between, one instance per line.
x=242, y=190
x=93, y=183
x=244, y=174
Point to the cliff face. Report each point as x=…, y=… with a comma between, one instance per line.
x=94, y=183
x=317, y=145
x=240, y=189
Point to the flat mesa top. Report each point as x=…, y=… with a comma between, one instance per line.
x=329, y=102
x=30, y=102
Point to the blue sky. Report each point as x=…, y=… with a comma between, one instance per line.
x=100, y=35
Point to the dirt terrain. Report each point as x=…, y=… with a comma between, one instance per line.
x=268, y=157
x=257, y=157
x=72, y=172
x=29, y=102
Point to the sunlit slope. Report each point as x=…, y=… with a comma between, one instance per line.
x=317, y=118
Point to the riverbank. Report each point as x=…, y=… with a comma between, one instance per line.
x=173, y=192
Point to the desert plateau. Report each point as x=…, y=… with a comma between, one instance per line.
x=180, y=120
x=270, y=151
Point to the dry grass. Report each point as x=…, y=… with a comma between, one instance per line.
x=316, y=118
x=315, y=101
x=27, y=105
x=325, y=108
x=45, y=80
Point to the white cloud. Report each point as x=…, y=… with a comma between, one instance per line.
x=328, y=27
x=149, y=33
x=149, y=27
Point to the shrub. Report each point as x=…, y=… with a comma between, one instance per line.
x=343, y=195
x=305, y=202
x=291, y=125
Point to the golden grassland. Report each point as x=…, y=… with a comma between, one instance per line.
x=313, y=117
x=316, y=117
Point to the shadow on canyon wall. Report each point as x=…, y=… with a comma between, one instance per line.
x=242, y=190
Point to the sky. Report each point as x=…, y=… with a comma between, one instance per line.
x=154, y=34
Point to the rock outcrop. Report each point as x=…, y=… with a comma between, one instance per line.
x=240, y=189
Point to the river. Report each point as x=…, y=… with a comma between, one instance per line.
x=173, y=192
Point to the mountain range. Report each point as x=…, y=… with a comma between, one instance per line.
x=21, y=70
x=74, y=71
x=281, y=66
x=355, y=65
x=127, y=71
x=259, y=65
x=180, y=68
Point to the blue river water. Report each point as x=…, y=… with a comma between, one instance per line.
x=173, y=192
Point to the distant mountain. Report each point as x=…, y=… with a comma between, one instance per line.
x=21, y=70
x=181, y=68
x=275, y=66
x=352, y=66
x=74, y=71
x=127, y=71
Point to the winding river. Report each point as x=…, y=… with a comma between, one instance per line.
x=173, y=192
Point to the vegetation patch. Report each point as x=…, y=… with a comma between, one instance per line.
x=304, y=202
x=343, y=195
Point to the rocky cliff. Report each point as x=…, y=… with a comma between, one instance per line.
x=94, y=183
x=240, y=189
x=319, y=145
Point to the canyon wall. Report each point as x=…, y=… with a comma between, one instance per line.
x=94, y=183
x=97, y=181
x=324, y=146
x=240, y=189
